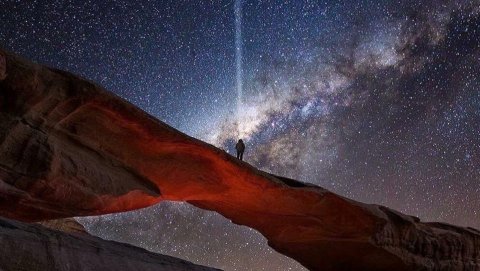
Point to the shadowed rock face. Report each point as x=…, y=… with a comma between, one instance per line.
x=68, y=225
x=70, y=148
x=33, y=247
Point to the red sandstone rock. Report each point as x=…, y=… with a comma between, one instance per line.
x=70, y=148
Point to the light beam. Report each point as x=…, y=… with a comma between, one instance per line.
x=239, y=61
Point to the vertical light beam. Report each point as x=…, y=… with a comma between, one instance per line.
x=239, y=61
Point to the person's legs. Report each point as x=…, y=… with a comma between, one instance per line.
x=238, y=155
x=241, y=155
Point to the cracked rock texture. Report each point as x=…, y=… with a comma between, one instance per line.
x=70, y=148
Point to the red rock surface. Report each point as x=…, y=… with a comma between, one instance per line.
x=70, y=148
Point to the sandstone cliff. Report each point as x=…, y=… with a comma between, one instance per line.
x=70, y=148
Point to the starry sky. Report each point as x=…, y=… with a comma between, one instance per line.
x=377, y=101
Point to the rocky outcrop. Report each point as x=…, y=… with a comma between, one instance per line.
x=68, y=225
x=3, y=67
x=70, y=148
x=34, y=247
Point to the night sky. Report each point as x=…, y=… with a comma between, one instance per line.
x=378, y=101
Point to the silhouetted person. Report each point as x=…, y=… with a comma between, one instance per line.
x=240, y=149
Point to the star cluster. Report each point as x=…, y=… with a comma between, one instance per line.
x=378, y=101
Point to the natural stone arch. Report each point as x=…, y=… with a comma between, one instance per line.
x=70, y=148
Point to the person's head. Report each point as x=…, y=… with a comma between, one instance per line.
x=240, y=140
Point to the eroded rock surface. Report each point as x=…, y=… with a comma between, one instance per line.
x=68, y=225
x=70, y=148
x=34, y=247
x=3, y=67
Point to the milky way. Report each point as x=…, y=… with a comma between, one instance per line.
x=378, y=101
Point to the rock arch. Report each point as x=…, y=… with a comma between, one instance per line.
x=70, y=148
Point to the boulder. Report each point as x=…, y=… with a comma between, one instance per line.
x=34, y=247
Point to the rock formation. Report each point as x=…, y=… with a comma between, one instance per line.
x=68, y=225
x=33, y=247
x=70, y=148
x=3, y=67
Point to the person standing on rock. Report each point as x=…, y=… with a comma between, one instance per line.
x=240, y=149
